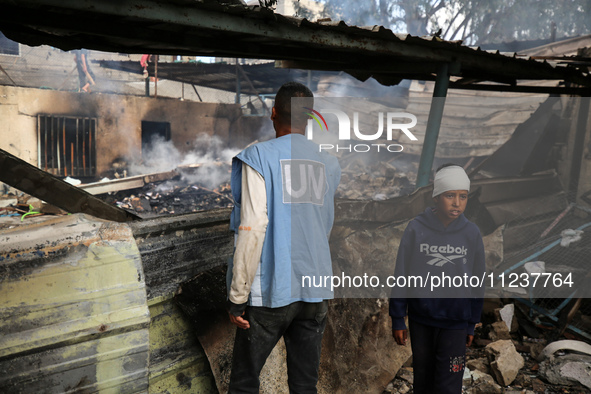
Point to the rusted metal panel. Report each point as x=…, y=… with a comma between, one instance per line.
x=73, y=308
x=30, y=179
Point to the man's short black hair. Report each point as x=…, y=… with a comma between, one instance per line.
x=283, y=103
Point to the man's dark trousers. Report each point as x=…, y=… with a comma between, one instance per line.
x=301, y=324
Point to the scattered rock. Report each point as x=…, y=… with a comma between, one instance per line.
x=536, y=349
x=406, y=374
x=484, y=384
x=479, y=364
x=499, y=331
x=504, y=360
x=538, y=386
x=389, y=388
x=467, y=378
x=507, y=313
x=568, y=370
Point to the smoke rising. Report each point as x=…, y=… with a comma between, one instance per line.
x=210, y=152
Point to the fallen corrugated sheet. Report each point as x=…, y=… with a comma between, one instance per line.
x=73, y=308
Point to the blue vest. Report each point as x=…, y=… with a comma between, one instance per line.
x=300, y=184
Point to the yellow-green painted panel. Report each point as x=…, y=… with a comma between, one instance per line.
x=178, y=363
x=73, y=308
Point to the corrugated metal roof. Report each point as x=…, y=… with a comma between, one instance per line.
x=254, y=79
x=213, y=29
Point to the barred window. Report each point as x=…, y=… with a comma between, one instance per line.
x=67, y=145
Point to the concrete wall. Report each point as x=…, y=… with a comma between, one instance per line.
x=119, y=120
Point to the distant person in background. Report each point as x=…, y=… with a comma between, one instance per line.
x=85, y=75
x=144, y=63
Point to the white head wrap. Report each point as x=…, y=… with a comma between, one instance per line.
x=450, y=178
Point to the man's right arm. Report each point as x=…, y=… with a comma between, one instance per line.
x=251, y=235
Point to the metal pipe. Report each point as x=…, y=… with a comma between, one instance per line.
x=237, y=97
x=38, y=141
x=197, y=93
x=156, y=76
x=90, y=157
x=433, y=125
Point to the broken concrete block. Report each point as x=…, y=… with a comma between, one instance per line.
x=507, y=313
x=499, y=331
x=467, y=378
x=407, y=374
x=484, y=384
x=479, y=364
x=568, y=370
x=504, y=360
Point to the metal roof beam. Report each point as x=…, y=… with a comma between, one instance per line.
x=276, y=36
x=575, y=91
x=433, y=125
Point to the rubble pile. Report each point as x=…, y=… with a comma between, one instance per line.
x=502, y=360
x=379, y=180
x=173, y=197
x=14, y=203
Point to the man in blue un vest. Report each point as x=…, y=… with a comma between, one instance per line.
x=284, y=210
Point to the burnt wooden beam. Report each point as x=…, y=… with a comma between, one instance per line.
x=177, y=248
x=38, y=183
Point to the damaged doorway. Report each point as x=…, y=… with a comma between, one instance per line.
x=66, y=145
x=154, y=132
